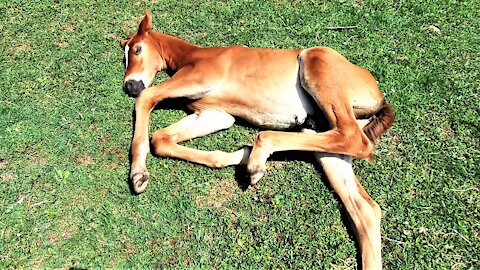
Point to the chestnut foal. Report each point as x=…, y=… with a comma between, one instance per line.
x=270, y=88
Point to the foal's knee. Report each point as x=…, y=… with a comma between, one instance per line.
x=161, y=144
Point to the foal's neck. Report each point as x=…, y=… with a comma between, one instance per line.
x=175, y=51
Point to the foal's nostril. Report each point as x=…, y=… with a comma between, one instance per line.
x=128, y=87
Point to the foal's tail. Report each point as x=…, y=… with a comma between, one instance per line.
x=380, y=122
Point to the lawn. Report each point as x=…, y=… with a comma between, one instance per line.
x=66, y=128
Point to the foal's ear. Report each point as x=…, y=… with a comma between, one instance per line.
x=146, y=23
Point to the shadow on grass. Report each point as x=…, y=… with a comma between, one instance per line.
x=242, y=178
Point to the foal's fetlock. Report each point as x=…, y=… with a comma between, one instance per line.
x=256, y=176
x=139, y=181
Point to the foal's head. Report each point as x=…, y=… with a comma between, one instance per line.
x=142, y=58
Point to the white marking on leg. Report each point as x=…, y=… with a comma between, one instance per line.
x=127, y=48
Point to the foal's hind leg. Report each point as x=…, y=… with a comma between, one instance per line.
x=345, y=137
x=334, y=84
x=165, y=141
x=363, y=211
x=334, y=141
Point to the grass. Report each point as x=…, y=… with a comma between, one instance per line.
x=66, y=129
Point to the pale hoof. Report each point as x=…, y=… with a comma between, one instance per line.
x=139, y=181
x=256, y=176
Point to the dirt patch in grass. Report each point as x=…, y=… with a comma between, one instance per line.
x=19, y=49
x=218, y=195
x=128, y=248
x=61, y=43
x=35, y=155
x=53, y=238
x=447, y=132
x=69, y=27
x=38, y=264
x=68, y=227
x=6, y=176
x=83, y=160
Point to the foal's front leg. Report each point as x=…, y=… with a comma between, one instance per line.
x=183, y=84
x=140, y=144
x=165, y=142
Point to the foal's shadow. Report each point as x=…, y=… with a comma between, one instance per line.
x=243, y=180
x=242, y=177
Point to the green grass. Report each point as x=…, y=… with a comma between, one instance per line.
x=66, y=129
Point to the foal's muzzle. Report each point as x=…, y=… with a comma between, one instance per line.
x=133, y=88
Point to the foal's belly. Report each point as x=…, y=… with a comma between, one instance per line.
x=280, y=109
x=279, y=121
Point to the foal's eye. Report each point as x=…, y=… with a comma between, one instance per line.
x=138, y=50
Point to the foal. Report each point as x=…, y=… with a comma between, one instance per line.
x=270, y=88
